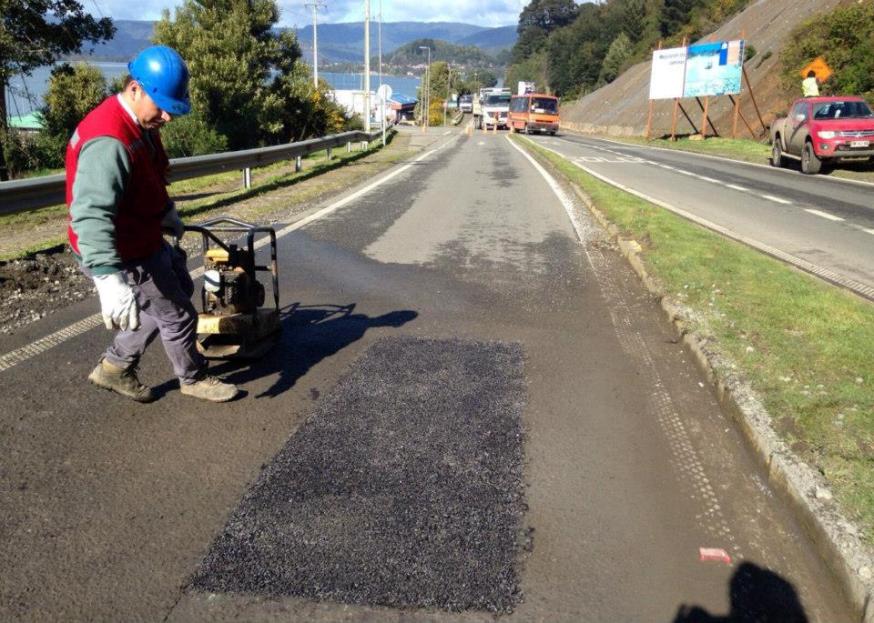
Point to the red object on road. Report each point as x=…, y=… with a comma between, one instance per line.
x=713, y=554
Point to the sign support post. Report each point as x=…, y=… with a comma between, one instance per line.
x=649, y=116
x=676, y=110
x=753, y=98
x=743, y=36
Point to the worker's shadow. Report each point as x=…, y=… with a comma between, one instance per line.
x=757, y=596
x=310, y=333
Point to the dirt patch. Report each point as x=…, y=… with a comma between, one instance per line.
x=39, y=284
x=33, y=287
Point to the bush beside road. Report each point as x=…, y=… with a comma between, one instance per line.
x=799, y=343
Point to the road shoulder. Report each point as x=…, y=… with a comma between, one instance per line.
x=838, y=541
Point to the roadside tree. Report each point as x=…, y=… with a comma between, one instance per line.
x=236, y=59
x=73, y=91
x=38, y=32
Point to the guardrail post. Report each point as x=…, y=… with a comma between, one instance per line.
x=364, y=145
x=330, y=152
x=348, y=147
x=298, y=164
x=247, y=178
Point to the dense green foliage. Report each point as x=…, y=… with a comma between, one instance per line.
x=845, y=39
x=34, y=33
x=410, y=55
x=72, y=92
x=571, y=49
x=245, y=77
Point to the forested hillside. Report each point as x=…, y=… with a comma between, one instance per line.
x=411, y=55
x=572, y=49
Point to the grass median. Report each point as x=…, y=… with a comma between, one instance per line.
x=805, y=347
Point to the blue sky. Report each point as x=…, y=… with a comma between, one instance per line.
x=294, y=12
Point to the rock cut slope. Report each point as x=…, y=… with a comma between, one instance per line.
x=620, y=108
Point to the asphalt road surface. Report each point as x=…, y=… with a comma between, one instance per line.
x=475, y=409
x=824, y=224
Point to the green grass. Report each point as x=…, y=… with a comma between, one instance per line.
x=219, y=191
x=803, y=345
x=745, y=150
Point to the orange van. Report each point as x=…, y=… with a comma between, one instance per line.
x=533, y=112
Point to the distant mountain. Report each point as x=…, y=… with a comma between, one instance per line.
x=130, y=37
x=338, y=43
x=411, y=55
x=491, y=40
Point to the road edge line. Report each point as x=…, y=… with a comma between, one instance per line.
x=768, y=167
x=37, y=347
x=834, y=537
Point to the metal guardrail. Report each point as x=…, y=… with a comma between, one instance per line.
x=49, y=190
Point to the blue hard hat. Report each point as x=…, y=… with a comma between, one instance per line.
x=163, y=75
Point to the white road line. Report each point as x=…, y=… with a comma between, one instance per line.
x=776, y=199
x=858, y=287
x=37, y=347
x=742, y=189
x=868, y=231
x=709, y=179
x=839, y=180
x=684, y=456
x=824, y=215
x=566, y=202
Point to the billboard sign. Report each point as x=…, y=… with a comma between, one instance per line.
x=668, y=74
x=697, y=71
x=714, y=69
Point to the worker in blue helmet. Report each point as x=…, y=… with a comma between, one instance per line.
x=119, y=206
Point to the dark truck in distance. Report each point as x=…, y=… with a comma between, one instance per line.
x=821, y=130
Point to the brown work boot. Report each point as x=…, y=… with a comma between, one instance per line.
x=123, y=381
x=210, y=388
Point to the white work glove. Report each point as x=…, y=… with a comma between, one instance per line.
x=172, y=221
x=117, y=302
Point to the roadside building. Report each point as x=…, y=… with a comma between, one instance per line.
x=401, y=108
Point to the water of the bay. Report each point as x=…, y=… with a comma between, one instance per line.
x=25, y=93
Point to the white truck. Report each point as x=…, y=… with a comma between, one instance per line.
x=491, y=108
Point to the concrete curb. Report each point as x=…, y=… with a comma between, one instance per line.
x=837, y=540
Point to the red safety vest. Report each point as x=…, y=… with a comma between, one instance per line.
x=138, y=221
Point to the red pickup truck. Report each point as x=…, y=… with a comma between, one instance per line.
x=822, y=130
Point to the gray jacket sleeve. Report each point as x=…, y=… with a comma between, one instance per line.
x=101, y=176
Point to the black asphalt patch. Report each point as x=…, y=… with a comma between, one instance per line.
x=404, y=488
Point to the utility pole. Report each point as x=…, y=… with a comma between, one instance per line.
x=315, y=5
x=381, y=90
x=426, y=91
x=367, y=66
x=448, y=91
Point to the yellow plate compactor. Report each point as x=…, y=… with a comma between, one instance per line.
x=234, y=323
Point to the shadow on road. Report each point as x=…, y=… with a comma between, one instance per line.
x=757, y=596
x=310, y=333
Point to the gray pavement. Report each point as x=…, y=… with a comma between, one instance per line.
x=826, y=222
x=108, y=508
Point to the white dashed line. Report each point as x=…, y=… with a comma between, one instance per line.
x=785, y=202
x=742, y=189
x=868, y=231
x=824, y=215
x=709, y=179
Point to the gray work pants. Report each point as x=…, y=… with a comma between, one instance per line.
x=163, y=289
